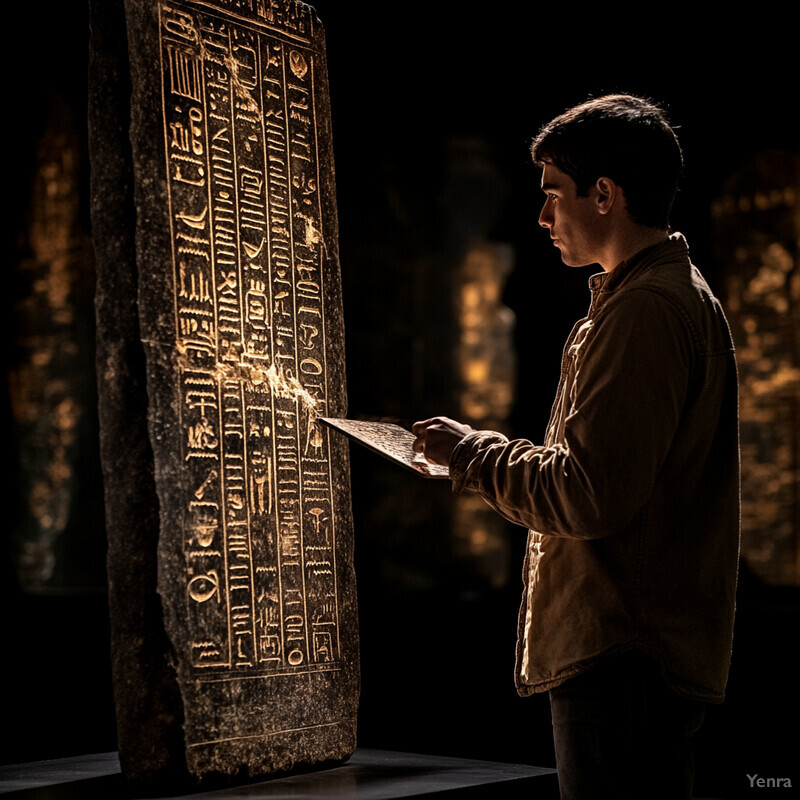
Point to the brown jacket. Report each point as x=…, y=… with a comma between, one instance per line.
x=633, y=500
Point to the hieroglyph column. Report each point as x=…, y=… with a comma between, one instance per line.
x=238, y=305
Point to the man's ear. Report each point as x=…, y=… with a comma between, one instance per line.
x=607, y=193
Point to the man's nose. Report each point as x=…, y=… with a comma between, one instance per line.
x=545, y=217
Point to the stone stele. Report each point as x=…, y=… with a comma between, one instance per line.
x=220, y=342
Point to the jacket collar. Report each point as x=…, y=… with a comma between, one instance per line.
x=674, y=247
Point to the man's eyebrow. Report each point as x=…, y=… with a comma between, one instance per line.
x=546, y=187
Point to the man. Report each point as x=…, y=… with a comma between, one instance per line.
x=632, y=501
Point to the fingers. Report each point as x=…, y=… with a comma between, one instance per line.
x=423, y=425
x=437, y=437
x=420, y=430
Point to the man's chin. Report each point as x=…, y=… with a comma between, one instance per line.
x=572, y=261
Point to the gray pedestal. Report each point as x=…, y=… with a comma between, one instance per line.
x=368, y=775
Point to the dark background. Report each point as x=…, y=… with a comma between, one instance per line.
x=412, y=85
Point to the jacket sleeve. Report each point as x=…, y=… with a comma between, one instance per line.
x=621, y=409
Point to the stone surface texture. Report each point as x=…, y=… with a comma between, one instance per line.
x=220, y=342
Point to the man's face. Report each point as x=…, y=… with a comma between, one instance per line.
x=573, y=221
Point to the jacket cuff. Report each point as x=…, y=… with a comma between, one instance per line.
x=464, y=455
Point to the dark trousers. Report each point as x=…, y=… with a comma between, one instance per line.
x=621, y=733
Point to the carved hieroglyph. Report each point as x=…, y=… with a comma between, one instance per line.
x=240, y=317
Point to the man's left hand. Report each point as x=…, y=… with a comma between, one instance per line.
x=438, y=437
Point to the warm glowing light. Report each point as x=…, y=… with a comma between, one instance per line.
x=759, y=221
x=486, y=368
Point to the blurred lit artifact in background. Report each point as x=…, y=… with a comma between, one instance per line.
x=51, y=371
x=758, y=230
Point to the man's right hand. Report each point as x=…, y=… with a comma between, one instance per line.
x=437, y=438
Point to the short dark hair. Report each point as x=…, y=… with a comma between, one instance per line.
x=622, y=137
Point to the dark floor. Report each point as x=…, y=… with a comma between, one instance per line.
x=368, y=775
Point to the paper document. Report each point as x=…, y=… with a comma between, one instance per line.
x=389, y=440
